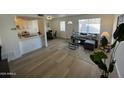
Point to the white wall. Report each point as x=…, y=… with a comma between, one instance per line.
x=0, y=41
x=10, y=46
x=119, y=54
x=120, y=60
x=41, y=30
x=45, y=30
x=33, y=27
x=106, y=23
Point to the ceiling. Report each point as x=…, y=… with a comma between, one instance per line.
x=59, y=15
x=46, y=15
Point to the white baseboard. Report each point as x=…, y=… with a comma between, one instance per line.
x=4, y=56
x=14, y=57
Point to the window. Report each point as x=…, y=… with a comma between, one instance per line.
x=62, y=26
x=90, y=26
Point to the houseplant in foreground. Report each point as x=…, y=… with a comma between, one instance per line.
x=100, y=57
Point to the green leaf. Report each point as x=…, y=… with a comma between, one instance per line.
x=102, y=55
x=93, y=58
x=121, y=38
x=116, y=33
x=102, y=66
x=97, y=57
x=111, y=67
x=114, y=44
x=119, y=33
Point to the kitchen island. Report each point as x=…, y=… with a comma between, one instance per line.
x=28, y=44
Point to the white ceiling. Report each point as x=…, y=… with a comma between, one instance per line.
x=59, y=15
x=46, y=15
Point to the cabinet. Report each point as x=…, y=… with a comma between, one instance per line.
x=30, y=44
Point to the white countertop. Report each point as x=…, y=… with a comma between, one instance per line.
x=30, y=37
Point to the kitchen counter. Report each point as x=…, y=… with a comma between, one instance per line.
x=29, y=44
x=29, y=37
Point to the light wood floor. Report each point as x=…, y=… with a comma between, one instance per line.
x=57, y=61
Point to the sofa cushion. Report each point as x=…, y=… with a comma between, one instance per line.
x=90, y=42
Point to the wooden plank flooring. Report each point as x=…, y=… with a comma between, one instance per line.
x=55, y=61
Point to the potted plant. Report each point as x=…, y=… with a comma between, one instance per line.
x=100, y=57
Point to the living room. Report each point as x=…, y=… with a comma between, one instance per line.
x=106, y=23
x=81, y=46
x=58, y=59
x=88, y=26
